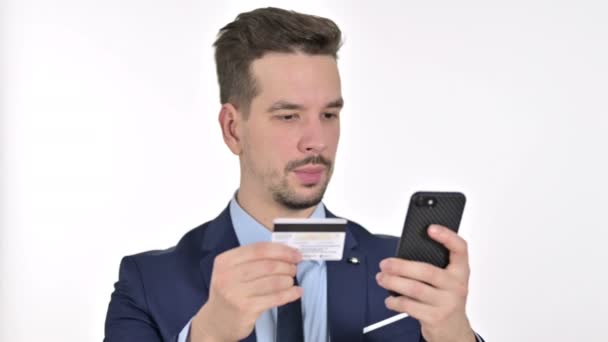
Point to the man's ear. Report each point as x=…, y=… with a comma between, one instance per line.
x=230, y=122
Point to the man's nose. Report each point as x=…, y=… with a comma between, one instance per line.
x=313, y=139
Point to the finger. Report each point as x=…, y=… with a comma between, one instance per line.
x=267, y=285
x=249, y=271
x=263, y=303
x=420, y=311
x=421, y=271
x=453, y=242
x=414, y=289
x=258, y=251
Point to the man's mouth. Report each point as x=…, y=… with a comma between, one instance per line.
x=310, y=174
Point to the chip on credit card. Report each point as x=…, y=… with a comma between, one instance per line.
x=315, y=238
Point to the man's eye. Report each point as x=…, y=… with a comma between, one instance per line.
x=330, y=115
x=288, y=117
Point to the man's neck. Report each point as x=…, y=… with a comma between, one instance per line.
x=266, y=210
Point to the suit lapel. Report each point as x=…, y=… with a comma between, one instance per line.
x=347, y=292
x=219, y=237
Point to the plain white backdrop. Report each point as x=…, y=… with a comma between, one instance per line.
x=110, y=146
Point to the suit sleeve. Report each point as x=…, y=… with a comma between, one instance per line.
x=128, y=317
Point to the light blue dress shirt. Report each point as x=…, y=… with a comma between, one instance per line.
x=311, y=274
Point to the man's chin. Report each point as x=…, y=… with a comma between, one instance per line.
x=300, y=204
x=309, y=191
x=306, y=196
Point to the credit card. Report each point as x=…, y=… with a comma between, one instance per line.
x=315, y=238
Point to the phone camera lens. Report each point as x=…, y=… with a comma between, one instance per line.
x=425, y=201
x=430, y=202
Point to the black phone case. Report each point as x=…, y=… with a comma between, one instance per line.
x=415, y=243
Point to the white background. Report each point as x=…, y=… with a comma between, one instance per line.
x=110, y=146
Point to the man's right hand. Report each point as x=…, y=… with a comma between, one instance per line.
x=245, y=282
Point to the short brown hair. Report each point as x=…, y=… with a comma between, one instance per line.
x=253, y=34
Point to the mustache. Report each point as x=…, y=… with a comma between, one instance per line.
x=292, y=165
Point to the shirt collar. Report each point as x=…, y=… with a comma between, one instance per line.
x=248, y=230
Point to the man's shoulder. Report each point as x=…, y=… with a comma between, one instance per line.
x=163, y=284
x=187, y=248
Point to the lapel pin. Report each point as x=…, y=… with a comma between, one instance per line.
x=353, y=260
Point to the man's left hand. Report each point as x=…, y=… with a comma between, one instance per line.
x=435, y=296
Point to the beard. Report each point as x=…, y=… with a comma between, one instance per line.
x=285, y=195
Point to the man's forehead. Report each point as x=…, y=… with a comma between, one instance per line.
x=297, y=78
x=278, y=58
x=276, y=66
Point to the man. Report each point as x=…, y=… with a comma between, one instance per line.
x=224, y=281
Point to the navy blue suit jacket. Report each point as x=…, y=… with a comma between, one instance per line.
x=158, y=292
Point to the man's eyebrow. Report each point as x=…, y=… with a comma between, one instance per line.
x=284, y=105
x=339, y=103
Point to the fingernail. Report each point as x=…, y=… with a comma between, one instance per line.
x=383, y=264
x=378, y=276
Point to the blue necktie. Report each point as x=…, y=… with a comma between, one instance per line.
x=289, y=321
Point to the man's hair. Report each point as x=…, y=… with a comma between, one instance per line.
x=253, y=34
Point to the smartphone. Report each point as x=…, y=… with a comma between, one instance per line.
x=426, y=208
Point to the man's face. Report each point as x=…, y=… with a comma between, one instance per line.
x=291, y=136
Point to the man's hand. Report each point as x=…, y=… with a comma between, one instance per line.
x=435, y=296
x=245, y=282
